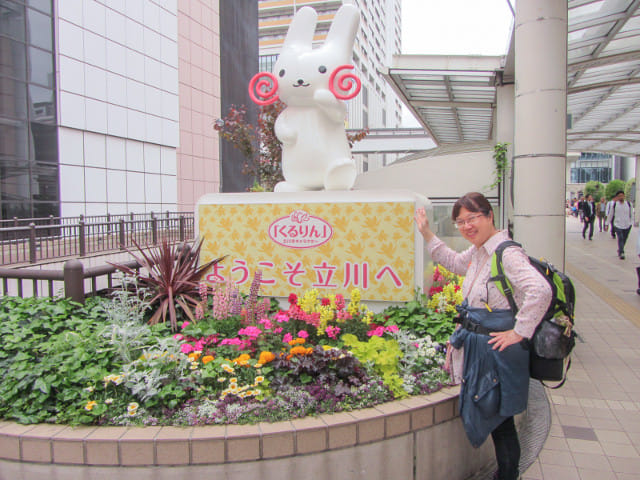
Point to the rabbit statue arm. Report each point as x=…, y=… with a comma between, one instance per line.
x=284, y=131
x=333, y=108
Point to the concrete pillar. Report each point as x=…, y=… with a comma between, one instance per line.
x=637, y=203
x=504, y=134
x=540, y=128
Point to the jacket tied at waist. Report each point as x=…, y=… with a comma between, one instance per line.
x=495, y=385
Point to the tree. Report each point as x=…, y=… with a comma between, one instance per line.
x=259, y=144
x=612, y=187
x=629, y=190
x=594, y=188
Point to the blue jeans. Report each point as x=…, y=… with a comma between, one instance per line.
x=507, y=447
x=622, y=234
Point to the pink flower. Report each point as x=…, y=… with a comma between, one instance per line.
x=303, y=334
x=340, y=303
x=184, y=325
x=282, y=317
x=378, y=332
x=251, y=331
x=332, y=332
x=287, y=338
x=178, y=336
x=199, y=345
x=266, y=323
x=186, y=348
x=231, y=341
x=277, y=330
x=392, y=328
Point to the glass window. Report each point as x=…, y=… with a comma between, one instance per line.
x=45, y=183
x=39, y=27
x=14, y=184
x=13, y=99
x=13, y=142
x=40, y=67
x=44, y=5
x=15, y=209
x=45, y=144
x=12, y=20
x=12, y=59
x=42, y=105
x=44, y=209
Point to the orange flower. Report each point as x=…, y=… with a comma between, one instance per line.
x=266, y=357
x=300, y=350
x=242, y=359
x=207, y=358
x=194, y=356
x=296, y=341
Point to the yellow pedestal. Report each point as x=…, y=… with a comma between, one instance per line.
x=331, y=241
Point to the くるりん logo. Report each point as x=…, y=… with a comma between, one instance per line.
x=300, y=230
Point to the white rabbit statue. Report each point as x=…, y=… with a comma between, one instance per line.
x=315, y=150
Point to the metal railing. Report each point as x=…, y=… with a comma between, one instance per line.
x=46, y=239
x=71, y=278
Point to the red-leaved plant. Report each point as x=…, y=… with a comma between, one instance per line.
x=171, y=275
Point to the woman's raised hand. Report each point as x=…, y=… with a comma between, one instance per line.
x=422, y=223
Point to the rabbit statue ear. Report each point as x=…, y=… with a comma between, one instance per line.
x=343, y=29
x=301, y=31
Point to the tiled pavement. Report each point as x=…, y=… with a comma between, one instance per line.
x=595, y=432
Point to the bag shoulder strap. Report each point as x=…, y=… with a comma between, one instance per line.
x=498, y=276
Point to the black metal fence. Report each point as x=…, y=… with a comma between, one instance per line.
x=55, y=237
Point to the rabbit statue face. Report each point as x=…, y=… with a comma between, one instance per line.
x=302, y=70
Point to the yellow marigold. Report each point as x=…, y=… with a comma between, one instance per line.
x=90, y=404
x=194, y=356
x=266, y=357
x=207, y=358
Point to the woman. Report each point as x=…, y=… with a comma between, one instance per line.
x=601, y=212
x=488, y=356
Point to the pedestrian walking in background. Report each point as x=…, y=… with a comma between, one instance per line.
x=486, y=349
x=621, y=220
x=601, y=213
x=638, y=268
x=588, y=215
x=581, y=208
x=610, y=204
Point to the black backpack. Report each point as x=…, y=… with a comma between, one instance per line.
x=554, y=338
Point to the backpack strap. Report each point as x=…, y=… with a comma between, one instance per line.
x=498, y=276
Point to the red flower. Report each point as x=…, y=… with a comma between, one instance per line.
x=325, y=302
x=293, y=298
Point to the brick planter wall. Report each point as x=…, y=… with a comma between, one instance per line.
x=413, y=423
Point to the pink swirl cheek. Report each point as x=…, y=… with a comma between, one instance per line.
x=263, y=88
x=341, y=83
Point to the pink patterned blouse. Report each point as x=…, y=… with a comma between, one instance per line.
x=531, y=292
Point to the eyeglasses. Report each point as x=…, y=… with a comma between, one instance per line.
x=467, y=221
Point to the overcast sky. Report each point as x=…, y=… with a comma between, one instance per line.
x=464, y=27
x=454, y=27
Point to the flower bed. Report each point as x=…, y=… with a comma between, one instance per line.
x=242, y=360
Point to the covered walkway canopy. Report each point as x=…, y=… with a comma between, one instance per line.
x=454, y=97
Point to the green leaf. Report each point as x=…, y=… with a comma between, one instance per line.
x=41, y=385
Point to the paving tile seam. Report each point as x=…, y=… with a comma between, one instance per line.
x=607, y=295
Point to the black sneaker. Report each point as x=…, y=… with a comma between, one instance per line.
x=622, y=256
